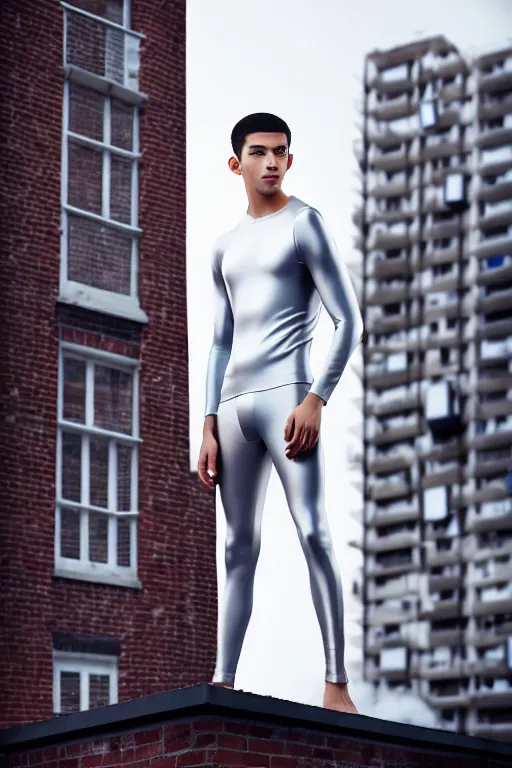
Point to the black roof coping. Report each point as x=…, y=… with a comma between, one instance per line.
x=215, y=701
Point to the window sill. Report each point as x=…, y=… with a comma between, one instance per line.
x=87, y=297
x=98, y=576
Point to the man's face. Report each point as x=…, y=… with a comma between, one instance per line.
x=264, y=161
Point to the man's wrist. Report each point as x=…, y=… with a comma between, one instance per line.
x=318, y=401
x=210, y=424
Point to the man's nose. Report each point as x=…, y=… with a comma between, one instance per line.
x=271, y=162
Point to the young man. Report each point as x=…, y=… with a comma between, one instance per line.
x=271, y=274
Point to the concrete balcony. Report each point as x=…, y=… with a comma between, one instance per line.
x=492, y=516
x=400, y=586
x=494, y=246
x=488, y=668
x=377, y=639
x=476, y=607
x=448, y=477
x=389, y=407
x=390, y=161
x=487, y=697
x=449, y=556
x=385, y=295
x=405, y=539
x=400, y=512
x=492, y=440
x=441, y=609
x=460, y=700
x=386, y=380
x=500, y=80
x=495, y=276
x=392, y=463
x=441, y=229
x=496, y=215
x=498, y=329
x=373, y=672
x=494, y=383
x=437, y=582
x=494, y=193
x=442, y=255
x=497, y=572
x=385, y=268
x=489, y=108
x=396, y=434
x=494, y=408
x=397, y=189
x=479, y=554
x=379, y=491
x=382, y=85
x=390, y=323
x=488, y=638
x=489, y=467
x=440, y=637
x=393, y=108
x=492, y=492
x=386, y=240
x=431, y=669
x=496, y=301
x=496, y=137
x=378, y=615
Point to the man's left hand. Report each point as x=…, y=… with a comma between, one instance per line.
x=302, y=428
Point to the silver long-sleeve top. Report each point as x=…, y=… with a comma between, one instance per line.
x=271, y=275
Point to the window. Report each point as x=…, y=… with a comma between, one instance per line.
x=83, y=681
x=97, y=467
x=100, y=155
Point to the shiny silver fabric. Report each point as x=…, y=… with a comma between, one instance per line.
x=250, y=432
x=271, y=276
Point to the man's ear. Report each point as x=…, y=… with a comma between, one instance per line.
x=235, y=165
x=290, y=161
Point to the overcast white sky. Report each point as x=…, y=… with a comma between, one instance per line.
x=301, y=60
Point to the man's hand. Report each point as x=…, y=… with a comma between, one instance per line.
x=207, y=464
x=302, y=428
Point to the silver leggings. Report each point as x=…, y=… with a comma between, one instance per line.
x=251, y=439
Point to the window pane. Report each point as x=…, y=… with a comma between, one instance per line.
x=74, y=390
x=85, y=178
x=99, y=256
x=86, y=112
x=124, y=476
x=98, y=537
x=120, y=189
x=112, y=399
x=99, y=691
x=99, y=473
x=121, y=125
x=70, y=533
x=123, y=541
x=71, y=466
x=69, y=692
x=93, y=46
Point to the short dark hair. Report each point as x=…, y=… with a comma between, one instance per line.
x=255, y=123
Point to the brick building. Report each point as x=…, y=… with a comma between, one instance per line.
x=104, y=529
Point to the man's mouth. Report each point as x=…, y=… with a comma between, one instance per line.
x=270, y=178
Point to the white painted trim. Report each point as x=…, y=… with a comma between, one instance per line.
x=102, y=20
x=105, y=176
x=67, y=568
x=85, y=664
x=83, y=429
x=99, y=300
x=86, y=141
x=67, y=504
x=112, y=223
x=112, y=358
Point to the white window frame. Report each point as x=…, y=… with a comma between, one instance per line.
x=83, y=568
x=73, y=292
x=85, y=664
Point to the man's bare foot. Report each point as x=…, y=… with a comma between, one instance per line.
x=337, y=697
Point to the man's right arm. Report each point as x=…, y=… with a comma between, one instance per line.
x=222, y=341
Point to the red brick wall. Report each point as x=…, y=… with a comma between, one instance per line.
x=167, y=630
x=230, y=743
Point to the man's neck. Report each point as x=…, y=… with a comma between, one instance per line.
x=262, y=206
